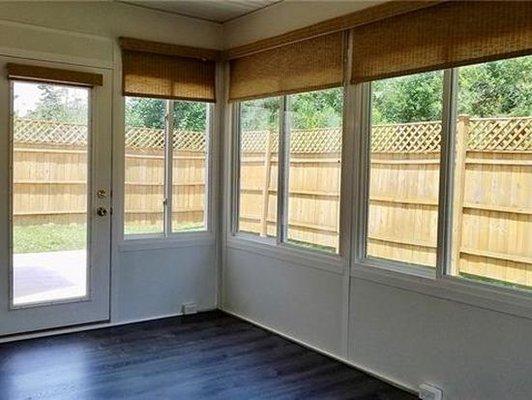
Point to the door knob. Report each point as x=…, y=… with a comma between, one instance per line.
x=101, y=211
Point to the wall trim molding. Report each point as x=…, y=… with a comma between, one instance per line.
x=89, y=327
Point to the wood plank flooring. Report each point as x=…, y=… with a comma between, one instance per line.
x=205, y=356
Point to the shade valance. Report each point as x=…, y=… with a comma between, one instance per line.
x=160, y=70
x=36, y=73
x=302, y=66
x=445, y=35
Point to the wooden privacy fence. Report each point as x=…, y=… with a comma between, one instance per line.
x=492, y=222
x=50, y=174
x=492, y=206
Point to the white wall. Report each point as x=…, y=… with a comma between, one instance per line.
x=150, y=282
x=406, y=336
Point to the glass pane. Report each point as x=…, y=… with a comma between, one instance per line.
x=259, y=142
x=315, y=155
x=144, y=166
x=189, y=173
x=492, y=205
x=50, y=165
x=405, y=139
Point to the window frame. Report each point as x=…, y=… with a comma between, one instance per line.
x=168, y=235
x=438, y=282
x=279, y=243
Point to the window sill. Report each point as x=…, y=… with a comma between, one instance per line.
x=176, y=240
x=288, y=253
x=458, y=290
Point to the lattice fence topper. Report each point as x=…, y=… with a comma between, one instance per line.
x=31, y=131
x=485, y=134
x=501, y=134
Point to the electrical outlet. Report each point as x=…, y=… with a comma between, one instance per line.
x=189, y=308
x=430, y=392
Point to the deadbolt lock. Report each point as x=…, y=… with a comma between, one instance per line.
x=101, y=194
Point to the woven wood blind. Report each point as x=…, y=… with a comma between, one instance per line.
x=312, y=64
x=446, y=35
x=165, y=71
x=52, y=75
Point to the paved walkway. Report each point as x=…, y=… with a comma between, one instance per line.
x=42, y=277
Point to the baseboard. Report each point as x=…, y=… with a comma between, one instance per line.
x=88, y=327
x=369, y=371
x=81, y=328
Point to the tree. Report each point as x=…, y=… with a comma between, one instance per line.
x=149, y=113
x=407, y=98
x=499, y=88
x=262, y=114
x=319, y=109
x=60, y=103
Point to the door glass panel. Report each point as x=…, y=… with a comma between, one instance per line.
x=49, y=192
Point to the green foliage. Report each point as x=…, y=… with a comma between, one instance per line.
x=499, y=88
x=144, y=112
x=60, y=103
x=190, y=116
x=149, y=113
x=319, y=109
x=408, y=98
x=494, y=89
x=263, y=114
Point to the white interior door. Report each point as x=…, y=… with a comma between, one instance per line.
x=55, y=182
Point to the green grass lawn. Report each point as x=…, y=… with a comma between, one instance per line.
x=49, y=237
x=62, y=237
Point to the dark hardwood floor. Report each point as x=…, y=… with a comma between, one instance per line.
x=205, y=356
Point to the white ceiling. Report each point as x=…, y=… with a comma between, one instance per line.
x=212, y=10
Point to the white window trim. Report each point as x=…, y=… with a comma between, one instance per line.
x=146, y=241
x=436, y=282
x=278, y=246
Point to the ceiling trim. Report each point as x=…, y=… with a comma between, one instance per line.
x=181, y=14
x=344, y=22
x=169, y=12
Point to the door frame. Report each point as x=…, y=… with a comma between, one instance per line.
x=95, y=306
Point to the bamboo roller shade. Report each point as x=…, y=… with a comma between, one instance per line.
x=446, y=35
x=53, y=75
x=312, y=64
x=161, y=70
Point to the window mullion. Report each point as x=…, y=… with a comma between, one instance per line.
x=444, y=244
x=168, y=166
x=283, y=169
x=235, y=169
x=362, y=174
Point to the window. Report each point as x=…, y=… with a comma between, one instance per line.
x=315, y=155
x=259, y=151
x=309, y=126
x=404, y=168
x=165, y=166
x=492, y=203
x=144, y=166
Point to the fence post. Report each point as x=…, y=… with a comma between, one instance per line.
x=461, y=141
x=266, y=188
